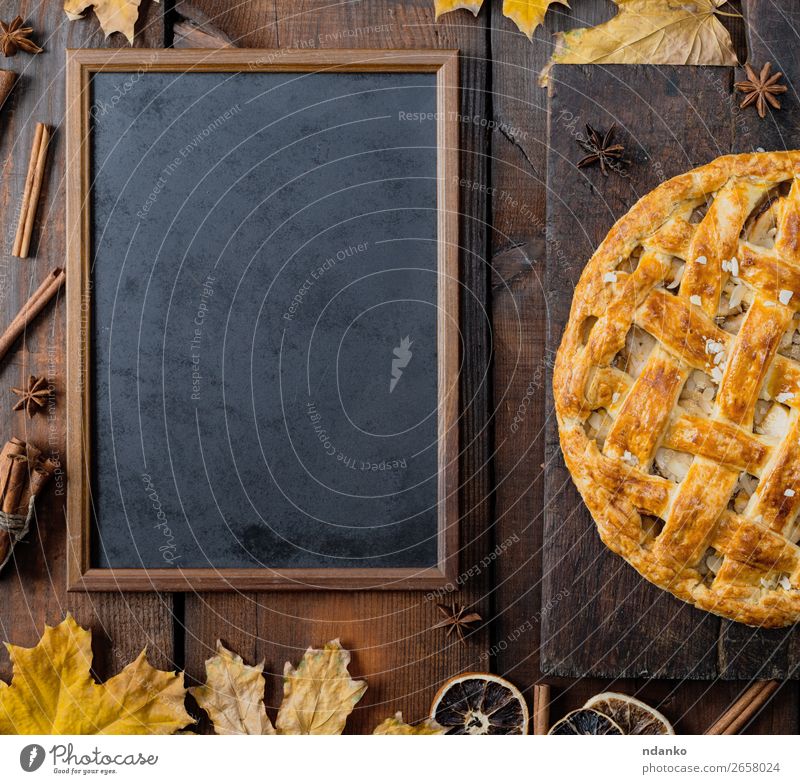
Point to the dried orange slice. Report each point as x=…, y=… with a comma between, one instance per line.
x=586, y=722
x=632, y=715
x=479, y=703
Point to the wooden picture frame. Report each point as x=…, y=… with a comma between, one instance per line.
x=81, y=65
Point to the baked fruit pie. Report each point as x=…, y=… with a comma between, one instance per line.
x=677, y=387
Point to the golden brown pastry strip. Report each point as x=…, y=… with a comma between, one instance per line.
x=751, y=543
x=673, y=237
x=749, y=360
x=646, y=411
x=701, y=499
x=717, y=240
x=723, y=443
x=787, y=241
x=681, y=327
x=645, y=492
x=777, y=497
x=766, y=271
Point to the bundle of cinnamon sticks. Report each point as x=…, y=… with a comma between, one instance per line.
x=744, y=709
x=32, y=192
x=23, y=475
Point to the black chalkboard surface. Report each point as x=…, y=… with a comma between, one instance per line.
x=265, y=385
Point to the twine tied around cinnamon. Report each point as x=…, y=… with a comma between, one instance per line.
x=16, y=526
x=23, y=474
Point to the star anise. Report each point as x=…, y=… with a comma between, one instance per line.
x=33, y=397
x=14, y=37
x=761, y=90
x=456, y=619
x=600, y=150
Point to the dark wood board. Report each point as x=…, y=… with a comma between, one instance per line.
x=518, y=306
x=772, y=654
x=678, y=641
x=518, y=296
x=599, y=617
x=693, y=706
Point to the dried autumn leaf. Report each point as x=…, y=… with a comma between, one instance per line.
x=445, y=6
x=115, y=16
x=52, y=691
x=396, y=726
x=526, y=14
x=233, y=695
x=656, y=32
x=319, y=694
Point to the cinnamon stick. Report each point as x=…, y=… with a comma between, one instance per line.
x=10, y=460
x=17, y=475
x=23, y=474
x=28, y=190
x=33, y=188
x=40, y=473
x=541, y=709
x=21, y=492
x=737, y=716
x=7, y=79
x=32, y=308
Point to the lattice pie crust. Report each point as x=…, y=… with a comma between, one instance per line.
x=677, y=387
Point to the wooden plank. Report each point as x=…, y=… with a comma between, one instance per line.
x=745, y=652
x=34, y=583
x=192, y=29
x=393, y=647
x=771, y=36
x=608, y=621
x=518, y=299
x=519, y=310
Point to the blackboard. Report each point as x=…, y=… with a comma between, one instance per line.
x=268, y=371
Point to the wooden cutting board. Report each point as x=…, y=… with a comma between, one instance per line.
x=599, y=617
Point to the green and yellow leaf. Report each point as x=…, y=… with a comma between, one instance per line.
x=319, y=694
x=658, y=32
x=396, y=726
x=233, y=695
x=52, y=691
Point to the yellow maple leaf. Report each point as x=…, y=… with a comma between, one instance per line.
x=526, y=14
x=52, y=691
x=657, y=32
x=396, y=726
x=233, y=695
x=445, y=6
x=319, y=694
x=115, y=16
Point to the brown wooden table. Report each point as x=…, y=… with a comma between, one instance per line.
x=503, y=163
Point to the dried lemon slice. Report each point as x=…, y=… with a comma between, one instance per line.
x=586, y=722
x=632, y=715
x=479, y=703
